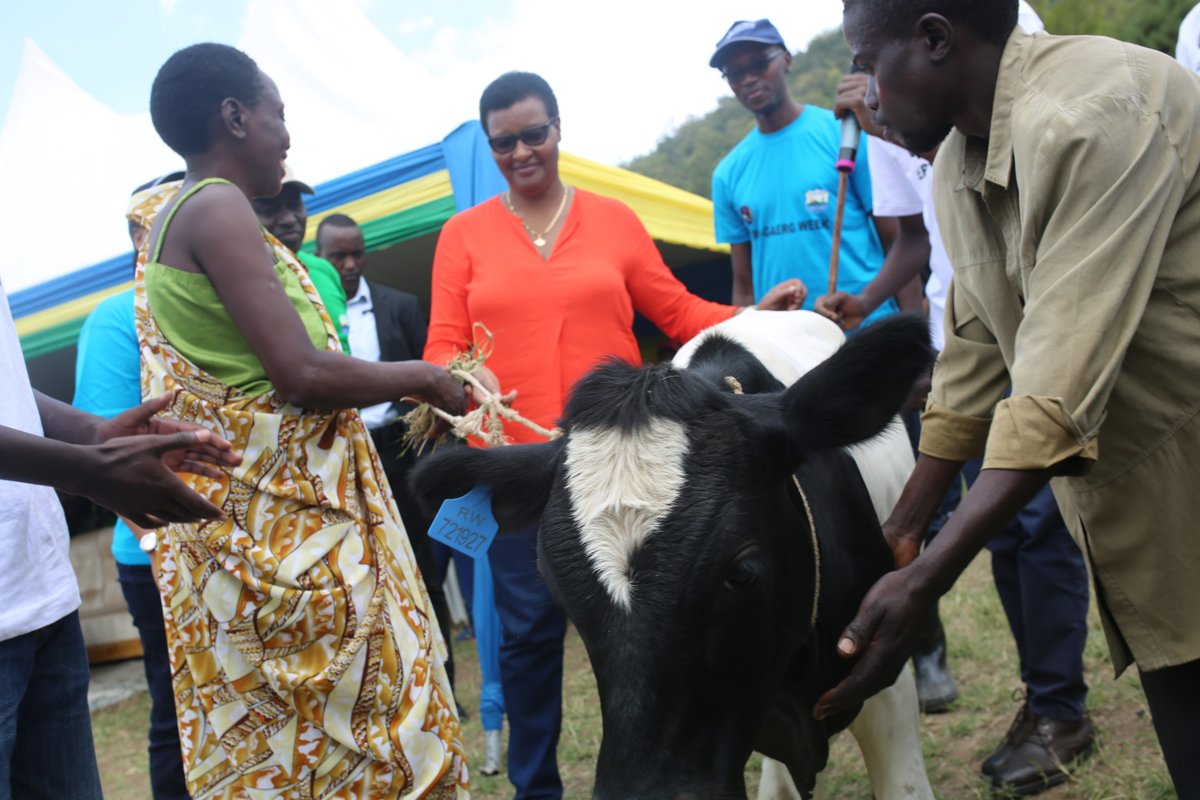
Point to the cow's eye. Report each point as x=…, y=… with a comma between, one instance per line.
x=742, y=574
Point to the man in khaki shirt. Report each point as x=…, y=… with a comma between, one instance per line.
x=1069, y=204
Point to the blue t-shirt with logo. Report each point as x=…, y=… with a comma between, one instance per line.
x=108, y=381
x=778, y=191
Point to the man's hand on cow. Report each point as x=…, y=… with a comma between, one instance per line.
x=786, y=296
x=881, y=637
x=847, y=310
x=852, y=99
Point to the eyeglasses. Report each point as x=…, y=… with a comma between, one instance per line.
x=532, y=136
x=756, y=67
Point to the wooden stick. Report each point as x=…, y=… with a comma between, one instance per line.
x=843, y=177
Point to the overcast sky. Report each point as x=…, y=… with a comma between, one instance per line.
x=627, y=72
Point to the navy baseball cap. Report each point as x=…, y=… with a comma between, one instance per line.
x=760, y=32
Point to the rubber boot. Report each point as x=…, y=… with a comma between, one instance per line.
x=491, y=753
x=936, y=690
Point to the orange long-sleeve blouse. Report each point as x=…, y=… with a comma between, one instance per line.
x=554, y=319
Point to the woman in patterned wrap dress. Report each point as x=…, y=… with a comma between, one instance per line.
x=306, y=660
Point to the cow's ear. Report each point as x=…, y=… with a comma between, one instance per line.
x=519, y=478
x=853, y=394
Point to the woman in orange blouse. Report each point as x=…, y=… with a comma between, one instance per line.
x=555, y=274
x=552, y=271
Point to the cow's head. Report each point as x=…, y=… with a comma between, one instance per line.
x=673, y=538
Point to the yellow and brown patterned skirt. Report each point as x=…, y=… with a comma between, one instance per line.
x=307, y=662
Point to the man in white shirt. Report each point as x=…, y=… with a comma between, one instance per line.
x=1187, y=49
x=126, y=464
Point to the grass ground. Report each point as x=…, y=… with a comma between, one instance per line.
x=1128, y=765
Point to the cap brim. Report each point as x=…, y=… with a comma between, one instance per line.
x=715, y=61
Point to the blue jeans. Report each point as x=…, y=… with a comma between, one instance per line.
x=531, y=665
x=145, y=606
x=46, y=748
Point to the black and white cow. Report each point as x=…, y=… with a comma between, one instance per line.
x=708, y=589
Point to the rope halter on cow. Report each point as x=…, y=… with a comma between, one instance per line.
x=735, y=386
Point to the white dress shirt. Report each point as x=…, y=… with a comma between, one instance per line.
x=364, y=344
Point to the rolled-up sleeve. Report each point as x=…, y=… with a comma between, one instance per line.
x=1098, y=202
x=969, y=378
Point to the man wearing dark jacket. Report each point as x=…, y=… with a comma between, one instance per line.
x=386, y=325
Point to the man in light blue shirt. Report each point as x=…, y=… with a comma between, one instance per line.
x=775, y=194
x=107, y=382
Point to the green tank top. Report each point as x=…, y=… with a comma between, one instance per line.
x=191, y=316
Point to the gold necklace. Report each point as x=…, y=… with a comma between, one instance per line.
x=539, y=239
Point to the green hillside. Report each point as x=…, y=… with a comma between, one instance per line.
x=687, y=158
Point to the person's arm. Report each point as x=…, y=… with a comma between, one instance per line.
x=907, y=255
x=743, y=277
x=911, y=297
x=1101, y=195
x=126, y=464
x=731, y=228
x=919, y=502
x=654, y=289
x=218, y=231
x=889, y=618
x=451, y=328
x=851, y=99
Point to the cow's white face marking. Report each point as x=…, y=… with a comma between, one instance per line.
x=622, y=485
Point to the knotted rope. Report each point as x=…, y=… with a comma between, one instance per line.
x=485, y=421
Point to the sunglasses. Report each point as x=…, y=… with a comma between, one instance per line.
x=532, y=136
x=756, y=67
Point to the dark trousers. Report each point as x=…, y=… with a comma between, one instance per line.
x=531, y=665
x=166, y=757
x=1174, y=697
x=46, y=749
x=1043, y=585
x=390, y=445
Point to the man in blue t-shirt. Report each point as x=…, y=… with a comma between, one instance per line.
x=107, y=382
x=775, y=194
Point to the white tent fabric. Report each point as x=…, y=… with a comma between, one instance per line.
x=68, y=161
x=354, y=98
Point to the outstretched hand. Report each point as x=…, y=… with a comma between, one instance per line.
x=786, y=296
x=131, y=468
x=200, y=455
x=881, y=637
x=135, y=476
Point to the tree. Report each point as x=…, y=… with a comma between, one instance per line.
x=688, y=157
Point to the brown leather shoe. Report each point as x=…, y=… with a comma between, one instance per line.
x=1020, y=728
x=1046, y=757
